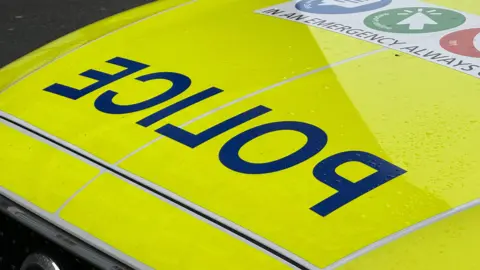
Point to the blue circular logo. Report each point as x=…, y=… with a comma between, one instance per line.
x=340, y=6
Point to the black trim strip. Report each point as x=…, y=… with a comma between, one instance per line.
x=196, y=212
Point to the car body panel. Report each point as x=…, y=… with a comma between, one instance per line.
x=447, y=244
x=167, y=237
x=417, y=116
x=157, y=233
x=234, y=74
x=38, y=172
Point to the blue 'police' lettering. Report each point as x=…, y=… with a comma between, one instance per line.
x=348, y=191
x=229, y=154
x=324, y=171
x=165, y=112
x=192, y=140
x=180, y=83
x=101, y=78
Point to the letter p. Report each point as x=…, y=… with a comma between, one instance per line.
x=347, y=190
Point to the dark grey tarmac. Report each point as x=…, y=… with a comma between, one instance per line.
x=26, y=25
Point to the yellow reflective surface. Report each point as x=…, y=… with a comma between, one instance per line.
x=156, y=233
x=470, y=6
x=38, y=172
x=451, y=243
x=417, y=115
x=218, y=59
x=277, y=205
x=425, y=118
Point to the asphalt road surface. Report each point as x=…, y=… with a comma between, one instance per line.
x=28, y=24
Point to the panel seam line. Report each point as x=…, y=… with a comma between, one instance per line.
x=242, y=98
x=182, y=203
x=167, y=196
x=252, y=94
x=392, y=237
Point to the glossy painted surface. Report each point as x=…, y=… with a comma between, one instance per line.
x=447, y=244
x=32, y=168
x=415, y=115
x=156, y=233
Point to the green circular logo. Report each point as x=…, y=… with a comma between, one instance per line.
x=414, y=20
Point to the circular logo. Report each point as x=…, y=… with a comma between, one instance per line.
x=414, y=20
x=464, y=42
x=340, y=6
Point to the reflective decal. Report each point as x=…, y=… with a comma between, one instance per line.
x=340, y=6
x=180, y=83
x=101, y=78
x=325, y=172
x=464, y=42
x=229, y=152
x=408, y=26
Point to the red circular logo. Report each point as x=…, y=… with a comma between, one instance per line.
x=463, y=42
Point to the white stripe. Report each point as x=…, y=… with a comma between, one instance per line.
x=87, y=238
x=138, y=265
x=34, y=136
x=89, y=42
x=254, y=94
x=170, y=194
x=265, y=89
x=223, y=229
x=83, y=187
x=149, y=184
x=402, y=233
x=102, y=171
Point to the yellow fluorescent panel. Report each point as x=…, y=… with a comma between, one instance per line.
x=417, y=115
x=339, y=101
x=451, y=243
x=156, y=233
x=208, y=44
x=424, y=116
x=470, y=6
x=37, y=171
